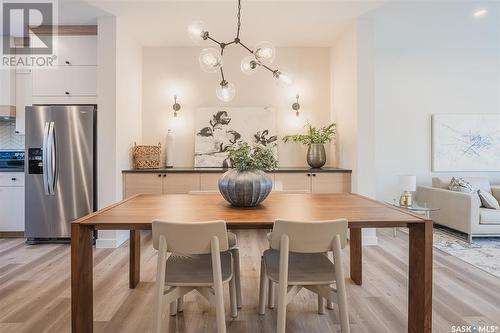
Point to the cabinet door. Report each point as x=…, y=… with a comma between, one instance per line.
x=209, y=181
x=324, y=182
x=12, y=179
x=76, y=50
x=12, y=209
x=7, y=86
x=142, y=183
x=292, y=181
x=24, y=92
x=181, y=183
x=65, y=81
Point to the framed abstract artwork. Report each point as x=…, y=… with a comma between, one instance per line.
x=218, y=128
x=465, y=142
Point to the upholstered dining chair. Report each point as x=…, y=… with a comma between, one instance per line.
x=235, y=250
x=297, y=258
x=193, y=256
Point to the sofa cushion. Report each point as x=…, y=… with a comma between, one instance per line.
x=489, y=216
x=479, y=183
x=461, y=185
x=488, y=200
x=443, y=183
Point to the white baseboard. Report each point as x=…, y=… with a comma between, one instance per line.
x=112, y=243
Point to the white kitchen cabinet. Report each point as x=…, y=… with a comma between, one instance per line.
x=315, y=182
x=7, y=86
x=65, y=81
x=324, y=182
x=11, y=201
x=24, y=88
x=178, y=183
x=209, y=181
x=292, y=181
x=168, y=182
x=11, y=179
x=76, y=50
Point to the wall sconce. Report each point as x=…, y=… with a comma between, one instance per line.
x=296, y=105
x=176, y=106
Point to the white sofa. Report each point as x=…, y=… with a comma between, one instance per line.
x=462, y=211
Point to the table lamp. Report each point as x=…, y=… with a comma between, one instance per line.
x=408, y=184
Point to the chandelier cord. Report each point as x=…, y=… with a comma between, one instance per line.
x=239, y=20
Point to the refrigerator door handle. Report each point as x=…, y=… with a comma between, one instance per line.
x=45, y=157
x=52, y=174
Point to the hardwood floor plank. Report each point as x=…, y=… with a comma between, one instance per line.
x=35, y=292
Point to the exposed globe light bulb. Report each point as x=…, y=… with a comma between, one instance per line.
x=284, y=79
x=197, y=31
x=210, y=60
x=249, y=65
x=480, y=12
x=225, y=91
x=265, y=52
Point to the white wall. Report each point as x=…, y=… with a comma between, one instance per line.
x=168, y=70
x=106, y=112
x=128, y=100
x=344, y=100
x=352, y=110
x=428, y=58
x=119, y=113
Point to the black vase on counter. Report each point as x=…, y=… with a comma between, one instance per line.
x=245, y=188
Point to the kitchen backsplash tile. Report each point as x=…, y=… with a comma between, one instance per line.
x=8, y=137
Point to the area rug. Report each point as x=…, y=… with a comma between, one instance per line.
x=483, y=253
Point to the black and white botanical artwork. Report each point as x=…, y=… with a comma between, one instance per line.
x=217, y=129
x=466, y=142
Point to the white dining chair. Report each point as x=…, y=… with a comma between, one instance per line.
x=297, y=258
x=193, y=256
x=235, y=250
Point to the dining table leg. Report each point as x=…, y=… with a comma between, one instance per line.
x=356, y=255
x=134, y=259
x=420, y=278
x=81, y=278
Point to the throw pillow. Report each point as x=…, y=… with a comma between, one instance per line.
x=488, y=200
x=460, y=185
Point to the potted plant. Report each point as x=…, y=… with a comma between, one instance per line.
x=315, y=138
x=247, y=185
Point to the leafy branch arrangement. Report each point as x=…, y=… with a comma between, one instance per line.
x=257, y=157
x=320, y=135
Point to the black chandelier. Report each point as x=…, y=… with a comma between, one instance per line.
x=211, y=58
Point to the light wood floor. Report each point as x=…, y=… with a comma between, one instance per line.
x=35, y=291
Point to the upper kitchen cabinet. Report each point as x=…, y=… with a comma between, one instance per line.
x=24, y=83
x=7, y=91
x=7, y=87
x=65, y=81
x=73, y=78
x=76, y=50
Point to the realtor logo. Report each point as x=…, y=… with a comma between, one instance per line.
x=17, y=20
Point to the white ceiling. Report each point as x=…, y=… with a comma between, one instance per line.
x=164, y=23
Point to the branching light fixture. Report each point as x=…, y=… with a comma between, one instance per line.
x=211, y=59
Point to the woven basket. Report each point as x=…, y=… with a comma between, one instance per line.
x=146, y=157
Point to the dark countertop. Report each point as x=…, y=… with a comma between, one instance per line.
x=11, y=170
x=220, y=170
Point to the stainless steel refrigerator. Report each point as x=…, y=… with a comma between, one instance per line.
x=60, y=169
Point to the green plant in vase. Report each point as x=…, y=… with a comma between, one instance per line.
x=314, y=138
x=257, y=157
x=247, y=185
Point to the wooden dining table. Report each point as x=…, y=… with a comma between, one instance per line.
x=136, y=213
